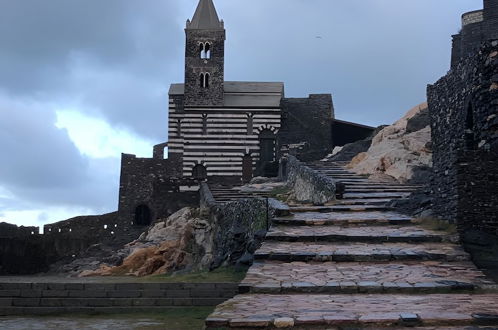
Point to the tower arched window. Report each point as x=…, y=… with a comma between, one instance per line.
x=205, y=50
x=201, y=80
x=206, y=80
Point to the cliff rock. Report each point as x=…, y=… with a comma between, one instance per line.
x=184, y=241
x=398, y=151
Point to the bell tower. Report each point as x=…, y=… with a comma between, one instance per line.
x=204, y=57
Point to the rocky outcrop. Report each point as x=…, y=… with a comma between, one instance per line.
x=402, y=150
x=183, y=242
x=351, y=150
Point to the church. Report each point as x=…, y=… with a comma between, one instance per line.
x=226, y=132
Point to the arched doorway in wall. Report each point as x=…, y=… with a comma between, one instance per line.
x=247, y=168
x=143, y=216
x=199, y=172
x=267, y=146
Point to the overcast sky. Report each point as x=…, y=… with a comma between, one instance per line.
x=83, y=80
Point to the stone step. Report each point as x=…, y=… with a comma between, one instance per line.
x=364, y=201
x=363, y=277
x=373, y=195
x=349, y=252
x=349, y=190
x=371, y=184
x=373, y=234
x=339, y=208
x=322, y=311
x=343, y=218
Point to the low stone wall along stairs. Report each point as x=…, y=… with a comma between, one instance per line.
x=55, y=296
x=358, y=264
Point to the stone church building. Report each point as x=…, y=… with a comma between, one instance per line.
x=225, y=132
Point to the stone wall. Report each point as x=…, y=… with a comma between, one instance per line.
x=463, y=110
x=154, y=183
x=308, y=186
x=26, y=298
x=307, y=120
x=464, y=120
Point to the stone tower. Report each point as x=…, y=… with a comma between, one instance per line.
x=491, y=19
x=204, y=57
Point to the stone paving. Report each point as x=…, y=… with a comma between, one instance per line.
x=326, y=251
x=359, y=266
x=355, y=215
x=433, y=276
x=358, y=234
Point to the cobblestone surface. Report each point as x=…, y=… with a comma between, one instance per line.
x=297, y=251
x=354, y=217
x=430, y=276
x=368, y=233
x=351, y=310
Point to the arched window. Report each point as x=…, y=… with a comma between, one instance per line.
x=201, y=80
x=206, y=80
x=207, y=50
x=201, y=50
x=142, y=216
x=204, y=123
x=179, y=127
x=199, y=172
x=250, y=123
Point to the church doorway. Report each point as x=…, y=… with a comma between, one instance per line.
x=143, y=216
x=247, y=168
x=199, y=172
x=267, y=144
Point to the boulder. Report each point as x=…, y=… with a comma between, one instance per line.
x=396, y=152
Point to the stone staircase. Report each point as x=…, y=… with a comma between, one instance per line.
x=358, y=264
x=226, y=194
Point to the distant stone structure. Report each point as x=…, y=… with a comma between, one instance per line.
x=477, y=27
x=226, y=132
x=464, y=120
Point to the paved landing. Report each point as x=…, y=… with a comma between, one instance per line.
x=354, y=216
x=313, y=310
x=343, y=252
x=376, y=234
x=333, y=277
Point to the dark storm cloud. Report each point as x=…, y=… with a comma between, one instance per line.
x=41, y=166
x=48, y=48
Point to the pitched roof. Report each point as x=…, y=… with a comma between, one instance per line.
x=205, y=17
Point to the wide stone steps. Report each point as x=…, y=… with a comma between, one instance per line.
x=373, y=195
x=377, y=234
x=339, y=208
x=343, y=218
x=349, y=252
x=364, y=277
x=356, y=264
x=323, y=311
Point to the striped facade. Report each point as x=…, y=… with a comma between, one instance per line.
x=218, y=137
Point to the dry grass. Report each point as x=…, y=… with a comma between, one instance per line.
x=436, y=224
